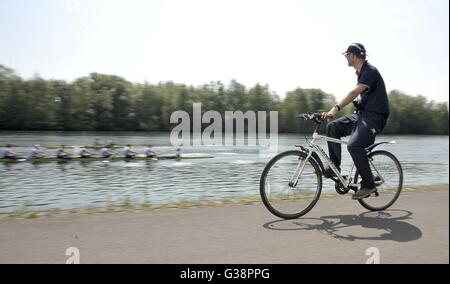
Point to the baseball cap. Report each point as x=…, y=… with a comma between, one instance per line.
x=356, y=48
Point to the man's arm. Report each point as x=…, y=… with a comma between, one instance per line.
x=359, y=89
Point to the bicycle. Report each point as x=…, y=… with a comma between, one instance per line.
x=291, y=182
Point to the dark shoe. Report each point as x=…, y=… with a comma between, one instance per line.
x=363, y=193
x=328, y=172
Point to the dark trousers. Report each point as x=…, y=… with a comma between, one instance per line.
x=363, y=129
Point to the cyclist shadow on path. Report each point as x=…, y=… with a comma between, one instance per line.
x=392, y=227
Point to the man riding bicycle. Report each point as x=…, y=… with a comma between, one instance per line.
x=369, y=120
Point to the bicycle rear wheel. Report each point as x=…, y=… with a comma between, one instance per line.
x=282, y=199
x=388, y=175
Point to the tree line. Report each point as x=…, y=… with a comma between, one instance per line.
x=102, y=102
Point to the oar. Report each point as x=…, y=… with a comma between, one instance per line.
x=18, y=158
x=108, y=159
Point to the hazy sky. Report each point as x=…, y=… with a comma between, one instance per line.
x=285, y=44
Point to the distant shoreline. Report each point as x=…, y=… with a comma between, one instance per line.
x=128, y=206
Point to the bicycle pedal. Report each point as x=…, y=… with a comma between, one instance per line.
x=378, y=181
x=353, y=187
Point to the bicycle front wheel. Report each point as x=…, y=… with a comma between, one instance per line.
x=279, y=195
x=388, y=176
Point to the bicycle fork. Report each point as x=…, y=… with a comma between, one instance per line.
x=299, y=170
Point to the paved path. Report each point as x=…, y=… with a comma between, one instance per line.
x=416, y=230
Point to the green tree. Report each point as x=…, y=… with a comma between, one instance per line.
x=41, y=102
x=6, y=72
x=108, y=102
x=63, y=105
x=147, y=107
x=235, y=96
x=82, y=110
x=112, y=101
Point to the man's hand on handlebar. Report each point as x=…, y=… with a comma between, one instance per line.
x=330, y=114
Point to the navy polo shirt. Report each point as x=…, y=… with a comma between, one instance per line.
x=375, y=98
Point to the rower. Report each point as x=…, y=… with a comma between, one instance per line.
x=148, y=152
x=84, y=153
x=62, y=154
x=99, y=142
x=37, y=153
x=8, y=153
x=128, y=153
x=110, y=144
x=106, y=152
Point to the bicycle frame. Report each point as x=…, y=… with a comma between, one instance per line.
x=316, y=148
x=313, y=147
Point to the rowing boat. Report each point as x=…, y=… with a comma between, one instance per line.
x=87, y=147
x=92, y=159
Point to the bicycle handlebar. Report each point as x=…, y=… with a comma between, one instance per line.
x=316, y=117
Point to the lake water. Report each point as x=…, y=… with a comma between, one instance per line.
x=234, y=171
